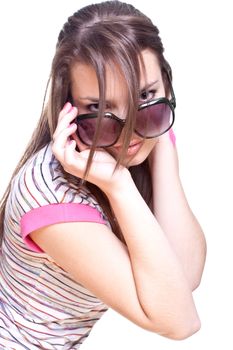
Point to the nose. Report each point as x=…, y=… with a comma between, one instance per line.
x=120, y=110
x=121, y=113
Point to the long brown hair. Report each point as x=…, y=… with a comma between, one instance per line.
x=110, y=32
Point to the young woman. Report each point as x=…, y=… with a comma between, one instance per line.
x=95, y=215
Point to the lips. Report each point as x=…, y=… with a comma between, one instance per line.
x=132, y=143
x=133, y=148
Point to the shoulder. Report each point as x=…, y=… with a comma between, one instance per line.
x=41, y=181
x=41, y=196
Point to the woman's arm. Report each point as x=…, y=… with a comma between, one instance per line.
x=173, y=212
x=144, y=281
x=161, y=285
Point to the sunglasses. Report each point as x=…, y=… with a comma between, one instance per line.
x=153, y=119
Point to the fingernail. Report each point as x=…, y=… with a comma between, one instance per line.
x=67, y=107
x=66, y=104
x=71, y=142
x=74, y=108
x=72, y=125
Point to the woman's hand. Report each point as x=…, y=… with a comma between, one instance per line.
x=102, y=171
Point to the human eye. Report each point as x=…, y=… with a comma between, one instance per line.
x=93, y=107
x=147, y=95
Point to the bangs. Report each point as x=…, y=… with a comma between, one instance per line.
x=101, y=52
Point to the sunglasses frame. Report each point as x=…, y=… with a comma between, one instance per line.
x=171, y=103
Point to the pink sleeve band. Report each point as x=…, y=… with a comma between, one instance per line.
x=54, y=214
x=172, y=136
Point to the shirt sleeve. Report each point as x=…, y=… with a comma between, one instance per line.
x=45, y=197
x=172, y=136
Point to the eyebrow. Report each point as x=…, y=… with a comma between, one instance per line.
x=96, y=99
x=147, y=86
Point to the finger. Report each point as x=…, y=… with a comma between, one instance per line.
x=63, y=136
x=73, y=163
x=60, y=141
x=66, y=109
x=65, y=121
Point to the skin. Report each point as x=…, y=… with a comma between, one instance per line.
x=85, y=84
x=163, y=259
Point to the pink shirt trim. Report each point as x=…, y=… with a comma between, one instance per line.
x=53, y=214
x=172, y=136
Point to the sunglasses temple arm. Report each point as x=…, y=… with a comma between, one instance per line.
x=173, y=98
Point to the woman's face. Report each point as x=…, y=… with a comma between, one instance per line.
x=85, y=93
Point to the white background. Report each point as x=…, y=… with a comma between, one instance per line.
x=197, y=36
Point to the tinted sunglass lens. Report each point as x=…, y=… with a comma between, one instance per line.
x=154, y=120
x=110, y=130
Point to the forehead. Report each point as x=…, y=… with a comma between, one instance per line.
x=84, y=81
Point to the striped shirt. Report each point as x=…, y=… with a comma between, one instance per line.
x=41, y=306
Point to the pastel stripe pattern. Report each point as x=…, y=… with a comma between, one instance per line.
x=41, y=306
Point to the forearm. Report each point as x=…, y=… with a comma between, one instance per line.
x=162, y=288
x=174, y=214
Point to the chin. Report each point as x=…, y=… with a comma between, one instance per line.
x=136, y=160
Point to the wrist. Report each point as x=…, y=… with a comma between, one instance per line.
x=122, y=183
